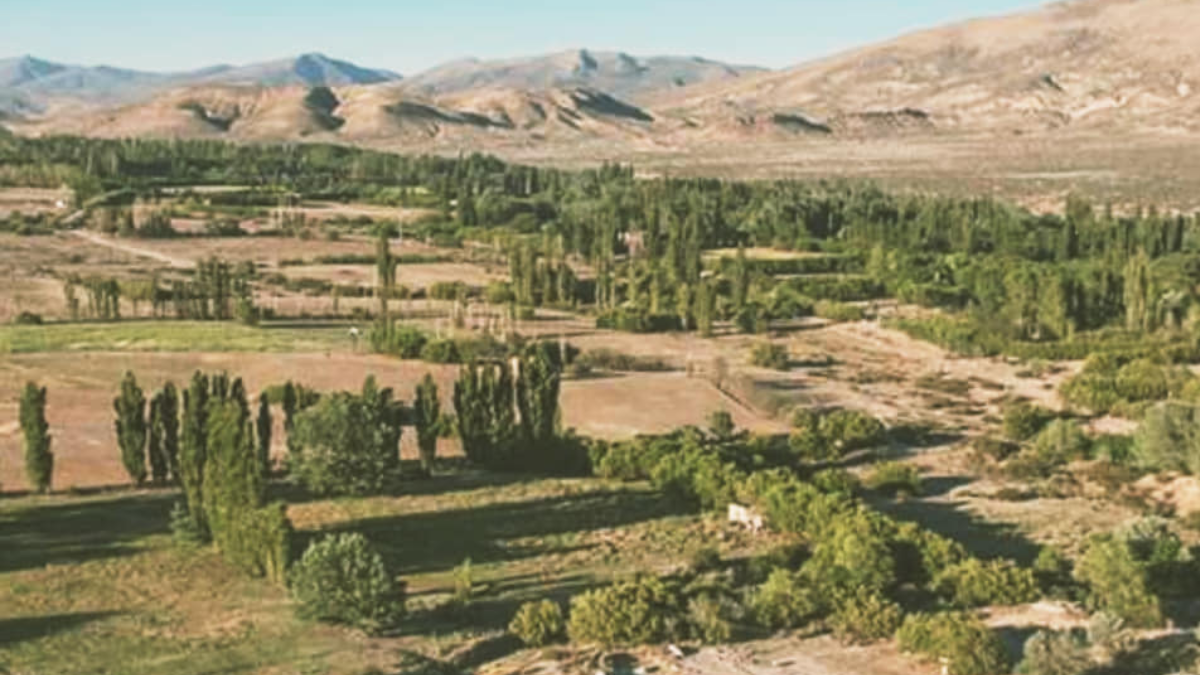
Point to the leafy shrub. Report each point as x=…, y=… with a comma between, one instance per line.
x=1050, y=653
x=784, y=600
x=1169, y=438
x=441, y=351
x=343, y=579
x=27, y=318
x=1053, y=571
x=838, y=311
x=967, y=644
x=604, y=358
x=499, y=293
x=1117, y=582
x=769, y=355
x=634, y=320
x=348, y=444
x=852, y=553
x=645, y=610
x=894, y=478
x=829, y=436
x=448, y=290
x=538, y=623
x=865, y=616
x=1023, y=420
x=711, y=618
x=974, y=583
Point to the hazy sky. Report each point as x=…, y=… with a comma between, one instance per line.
x=408, y=36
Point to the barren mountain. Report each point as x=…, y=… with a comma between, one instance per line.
x=621, y=75
x=29, y=86
x=366, y=114
x=1091, y=62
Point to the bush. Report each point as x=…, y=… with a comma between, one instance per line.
x=603, y=358
x=1169, y=438
x=830, y=436
x=343, y=579
x=441, y=351
x=1049, y=653
x=839, y=311
x=865, y=616
x=638, y=321
x=769, y=355
x=348, y=444
x=711, y=618
x=894, y=478
x=538, y=623
x=969, y=646
x=974, y=583
x=784, y=600
x=1023, y=420
x=645, y=610
x=28, y=319
x=1117, y=582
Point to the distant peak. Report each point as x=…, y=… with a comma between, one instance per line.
x=587, y=63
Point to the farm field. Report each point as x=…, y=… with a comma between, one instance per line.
x=778, y=450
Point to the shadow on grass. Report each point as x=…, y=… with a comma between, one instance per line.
x=79, y=530
x=463, y=480
x=982, y=538
x=13, y=631
x=440, y=540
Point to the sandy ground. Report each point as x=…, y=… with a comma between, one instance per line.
x=81, y=388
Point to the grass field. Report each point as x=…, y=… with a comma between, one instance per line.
x=94, y=584
x=173, y=336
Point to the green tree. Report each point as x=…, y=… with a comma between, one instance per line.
x=130, y=406
x=343, y=579
x=193, y=448
x=264, y=423
x=427, y=410
x=348, y=444
x=39, y=461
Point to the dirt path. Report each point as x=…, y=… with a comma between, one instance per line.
x=132, y=250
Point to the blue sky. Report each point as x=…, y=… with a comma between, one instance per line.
x=408, y=36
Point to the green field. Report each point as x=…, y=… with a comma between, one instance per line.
x=94, y=584
x=173, y=336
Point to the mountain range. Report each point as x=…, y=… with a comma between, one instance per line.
x=1098, y=65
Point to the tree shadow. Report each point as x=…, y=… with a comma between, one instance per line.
x=439, y=540
x=982, y=538
x=80, y=530
x=13, y=631
x=438, y=484
x=1173, y=653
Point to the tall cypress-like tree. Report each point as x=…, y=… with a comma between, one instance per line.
x=154, y=442
x=130, y=407
x=427, y=410
x=193, y=447
x=233, y=479
x=167, y=424
x=537, y=397
x=39, y=461
x=705, y=307
x=264, y=424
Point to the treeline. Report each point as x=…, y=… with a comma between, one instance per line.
x=1026, y=277
x=217, y=290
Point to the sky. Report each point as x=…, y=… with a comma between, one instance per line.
x=408, y=36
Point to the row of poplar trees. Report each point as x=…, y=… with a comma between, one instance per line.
x=508, y=412
x=209, y=442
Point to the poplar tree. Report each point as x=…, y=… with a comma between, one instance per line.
x=193, y=449
x=427, y=411
x=264, y=424
x=130, y=407
x=537, y=397
x=39, y=461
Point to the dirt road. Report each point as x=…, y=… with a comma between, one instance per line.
x=100, y=240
